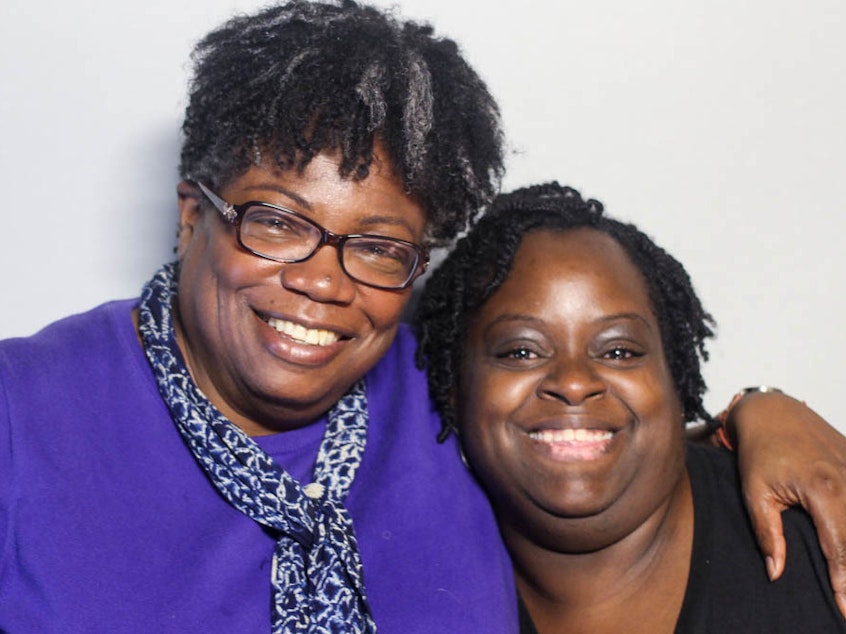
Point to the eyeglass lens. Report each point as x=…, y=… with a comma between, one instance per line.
x=283, y=235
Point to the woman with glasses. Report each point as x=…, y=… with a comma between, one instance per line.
x=249, y=446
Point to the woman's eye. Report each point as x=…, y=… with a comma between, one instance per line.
x=518, y=354
x=620, y=353
x=381, y=251
x=273, y=223
x=264, y=222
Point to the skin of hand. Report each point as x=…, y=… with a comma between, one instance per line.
x=791, y=456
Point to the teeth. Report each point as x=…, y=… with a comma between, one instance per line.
x=571, y=435
x=298, y=332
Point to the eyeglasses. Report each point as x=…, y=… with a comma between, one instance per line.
x=276, y=233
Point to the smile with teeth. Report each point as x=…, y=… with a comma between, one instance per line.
x=571, y=435
x=301, y=334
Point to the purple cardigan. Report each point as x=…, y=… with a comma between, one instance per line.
x=107, y=524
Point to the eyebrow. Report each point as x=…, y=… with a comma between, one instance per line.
x=630, y=316
x=506, y=317
x=397, y=221
x=299, y=200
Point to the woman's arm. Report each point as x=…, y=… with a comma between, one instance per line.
x=788, y=455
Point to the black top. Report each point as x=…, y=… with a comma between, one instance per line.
x=728, y=589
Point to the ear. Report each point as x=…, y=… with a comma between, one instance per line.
x=188, y=199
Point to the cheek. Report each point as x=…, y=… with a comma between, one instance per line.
x=649, y=392
x=489, y=402
x=662, y=461
x=215, y=265
x=231, y=267
x=476, y=407
x=214, y=271
x=383, y=308
x=662, y=433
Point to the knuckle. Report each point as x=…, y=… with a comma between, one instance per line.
x=827, y=481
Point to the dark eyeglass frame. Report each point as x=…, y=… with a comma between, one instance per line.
x=233, y=214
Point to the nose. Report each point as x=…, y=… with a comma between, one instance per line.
x=572, y=381
x=320, y=277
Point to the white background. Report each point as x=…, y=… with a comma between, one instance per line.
x=719, y=126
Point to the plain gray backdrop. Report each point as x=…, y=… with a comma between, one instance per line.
x=717, y=126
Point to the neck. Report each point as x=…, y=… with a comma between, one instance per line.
x=634, y=584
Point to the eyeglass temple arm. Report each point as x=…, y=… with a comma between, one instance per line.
x=222, y=206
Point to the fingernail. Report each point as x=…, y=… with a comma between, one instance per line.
x=770, y=568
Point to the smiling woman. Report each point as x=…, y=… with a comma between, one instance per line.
x=269, y=442
x=231, y=324
x=248, y=446
x=580, y=365
x=563, y=393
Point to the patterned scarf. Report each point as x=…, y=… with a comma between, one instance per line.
x=317, y=576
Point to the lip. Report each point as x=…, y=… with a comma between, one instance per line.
x=574, y=420
x=291, y=350
x=310, y=324
x=573, y=438
x=575, y=450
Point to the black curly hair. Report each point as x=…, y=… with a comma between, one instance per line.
x=481, y=261
x=296, y=79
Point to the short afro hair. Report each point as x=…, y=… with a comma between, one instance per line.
x=481, y=261
x=303, y=77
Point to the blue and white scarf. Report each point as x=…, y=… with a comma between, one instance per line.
x=317, y=576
